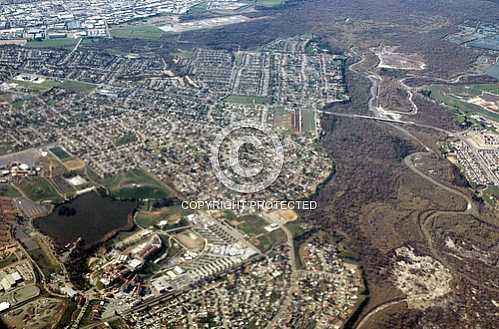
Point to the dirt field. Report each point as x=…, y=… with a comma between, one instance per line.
x=284, y=215
x=39, y=314
x=191, y=241
x=74, y=164
x=390, y=59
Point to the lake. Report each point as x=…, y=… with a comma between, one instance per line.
x=91, y=216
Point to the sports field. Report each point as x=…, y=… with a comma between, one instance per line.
x=69, y=85
x=136, y=185
x=39, y=189
x=53, y=43
x=308, y=121
x=247, y=100
x=37, y=87
x=78, y=86
x=147, y=32
x=254, y=227
x=60, y=153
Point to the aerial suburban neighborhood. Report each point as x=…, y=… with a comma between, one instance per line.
x=267, y=164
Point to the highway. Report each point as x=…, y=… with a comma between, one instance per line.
x=426, y=216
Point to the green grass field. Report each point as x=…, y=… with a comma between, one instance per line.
x=446, y=97
x=53, y=43
x=69, y=85
x=295, y=228
x=5, y=148
x=198, y=9
x=254, y=227
x=60, y=153
x=136, y=185
x=9, y=191
x=247, y=100
x=38, y=87
x=18, y=104
x=282, y=120
x=308, y=121
x=65, y=188
x=472, y=90
x=39, y=189
x=270, y=3
x=126, y=138
x=147, y=32
x=490, y=195
x=78, y=86
x=146, y=218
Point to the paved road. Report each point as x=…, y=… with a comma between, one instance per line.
x=426, y=216
x=293, y=284
x=378, y=309
x=470, y=206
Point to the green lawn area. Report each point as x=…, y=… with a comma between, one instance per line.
x=198, y=9
x=270, y=3
x=295, y=228
x=472, y=90
x=136, y=184
x=282, y=119
x=150, y=218
x=60, y=153
x=126, y=138
x=145, y=219
x=66, y=188
x=18, y=104
x=229, y=215
x=308, y=121
x=117, y=324
x=69, y=85
x=490, y=195
x=270, y=239
x=5, y=148
x=447, y=98
x=38, y=87
x=148, y=32
x=253, y=226
x=9, y=260
x=78, y=86
x=39, y=189
x=53, y=43
x=247, y=100
x=9, y=191
x=93, y=177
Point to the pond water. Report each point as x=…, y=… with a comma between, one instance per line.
x=91, y=216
